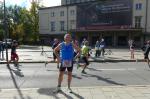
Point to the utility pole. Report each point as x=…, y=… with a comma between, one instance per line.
x=146, y=16
x=67, y=16
x=5, y=29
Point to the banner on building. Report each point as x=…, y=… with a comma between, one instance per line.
x=109, y=14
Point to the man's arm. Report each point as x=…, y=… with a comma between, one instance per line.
x=56, y=49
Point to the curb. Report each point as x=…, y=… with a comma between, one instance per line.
x=98, y=61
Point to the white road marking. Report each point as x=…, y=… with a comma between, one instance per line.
x=119, y=69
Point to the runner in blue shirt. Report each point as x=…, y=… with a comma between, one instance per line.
x=66, y=57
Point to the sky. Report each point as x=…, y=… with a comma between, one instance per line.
x=27, y=4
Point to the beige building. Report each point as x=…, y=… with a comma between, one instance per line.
x=54, y=22
x=58, y=20
x=141, y=14
x=66, y=2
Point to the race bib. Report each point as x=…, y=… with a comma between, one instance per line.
x=66, y=63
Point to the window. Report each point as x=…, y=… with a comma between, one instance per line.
x=61, y=13
x=138, y=6
x=138, y=21
x=67, y=1
x=62, y=25
x=72, y=24
x=52, y=26
x=52, y=14
x=72, y=12
x=72, y=1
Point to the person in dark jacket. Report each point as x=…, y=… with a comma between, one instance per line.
x=146, y=52
x=1, y=50
x=55, y=44
x=102, y=47
x=97, y=49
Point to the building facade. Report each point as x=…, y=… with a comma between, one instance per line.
x=141, y=14
x=116, y=21
x=68, y=2
x=54, y=22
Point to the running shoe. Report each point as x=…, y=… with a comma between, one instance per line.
x=58, y=89
x=84, y=72
x=70, y=90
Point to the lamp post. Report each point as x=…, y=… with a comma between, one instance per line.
x=5, y=29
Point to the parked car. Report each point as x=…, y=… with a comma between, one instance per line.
x=9, y=42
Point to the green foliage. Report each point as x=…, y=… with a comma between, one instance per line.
x=22, y=24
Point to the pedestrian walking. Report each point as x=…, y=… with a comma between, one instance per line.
x=97, y=49
x=55, y=44
x=14, y=55
x=102, y=47
x=84, y=56
x=146, y=52
x=65, y=58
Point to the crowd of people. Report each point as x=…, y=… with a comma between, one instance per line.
x=145, y=48
x=14, y=56
x=69, y=51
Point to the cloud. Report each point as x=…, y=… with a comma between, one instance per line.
x=13, y=2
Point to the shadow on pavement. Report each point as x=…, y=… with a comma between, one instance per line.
x=93, y=69
x=74, y=76
x=49, y=92
x=15, y=83
x=18, y=72
x=77, y=95
x=103, y=79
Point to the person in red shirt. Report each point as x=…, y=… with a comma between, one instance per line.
x=14, y=55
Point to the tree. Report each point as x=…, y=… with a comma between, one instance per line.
x=1, y=22
x=22, y=24
x=35, y=20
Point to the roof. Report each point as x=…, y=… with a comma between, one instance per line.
x=75, y=4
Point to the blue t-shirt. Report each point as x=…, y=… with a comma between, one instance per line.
x=66, y=51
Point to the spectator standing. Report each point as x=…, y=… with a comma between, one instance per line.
x=1, y=50
x=132, y=48
x=55, y=44
x=83, y=42
x=102, y=47
x=146, y=52
x=97, y=49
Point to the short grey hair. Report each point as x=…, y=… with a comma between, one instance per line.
x=66, y=35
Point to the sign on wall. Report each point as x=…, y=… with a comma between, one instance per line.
x=109, y=14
